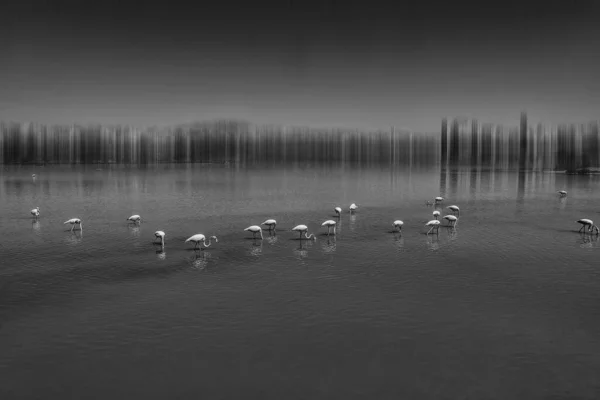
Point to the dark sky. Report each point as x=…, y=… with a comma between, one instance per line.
x=363, y=64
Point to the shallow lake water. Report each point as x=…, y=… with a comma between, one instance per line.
x=504, y=306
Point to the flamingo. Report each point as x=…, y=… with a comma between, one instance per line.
x=454, y=209
x=589, y=223
x=434, y=224
x=338, y=211
x=398, y=225
x=134, y=218
x=329, y=224
x=255, y=229
x=33, y=176
x=562, y=193
x=353, y=207
x=35, y=212
x=201, y=238
x=160, y=235
x=74, y=221
x=439, y=199
x=304, y=229
x=436, y=214
x=271, y=223
x=451, y=219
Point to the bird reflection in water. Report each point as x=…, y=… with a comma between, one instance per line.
x=352, y=222
x=36, y=227
x=134, y=230
x=161, y=254
x=302, y=250
x=398, y=240
x=433, y=242
x=562, y=202
x=200, y=259
x=452, y=232
x=588, y=241
x=329, y=245
x=256, y=248
x=272, y=238
x=74, y=238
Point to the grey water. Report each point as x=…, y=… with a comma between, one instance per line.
x=504, y=306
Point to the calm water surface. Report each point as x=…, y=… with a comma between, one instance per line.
x=505, y=306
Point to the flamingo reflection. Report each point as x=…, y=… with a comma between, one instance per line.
x=329, y=245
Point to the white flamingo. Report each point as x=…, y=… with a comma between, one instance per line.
x=451, y=219
x=255, y=229
x=73, y=222
x=436, y=214
x=196, y=239
x=338, y=211
x=353, y=207
x=329, y=224
x=304, y=229
x=562, y=193
x=134, y=218
x=35, y=212
x=588, y=223
x=161, y=236
x=434, y=224
x=454, y=209
x=439, y=199
x=33, y=176
x=398, y=225
x=271, y=223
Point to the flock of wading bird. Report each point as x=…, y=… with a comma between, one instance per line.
x=270, y=224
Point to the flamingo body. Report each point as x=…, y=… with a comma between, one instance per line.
x=271, y=223
x=303, y=229
x=338, y=211
x=35, y=212
x=330, y=224
x=454, y=209
x=160, y=235
x=439, y=199
x=451, y=219
x=562, y=192
x=198, y=238
x=353, y=207
x=398, y=225
x=134, y=218
x=73, y=222
x=436, y=214
x=589, y=224
x=434, y=224
x=255, y=229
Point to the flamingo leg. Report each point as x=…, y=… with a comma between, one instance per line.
x=429, y=230
x=72, y=227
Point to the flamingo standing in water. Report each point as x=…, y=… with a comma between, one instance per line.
x=73, y=222
x=398, y=225
x=35, y=212
x=329, y=224
x=439, y=199
x=451, y=220
x=436, y=214
x=353, y=207
x=196, y=239
x=161, y=236
x=255, y=229
x=304, y=229
x=271, y=223
x=338, y=211
x=134, y=218
x=454, y=209
x=562, y=193
x=589, y=223
x=434, y=224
